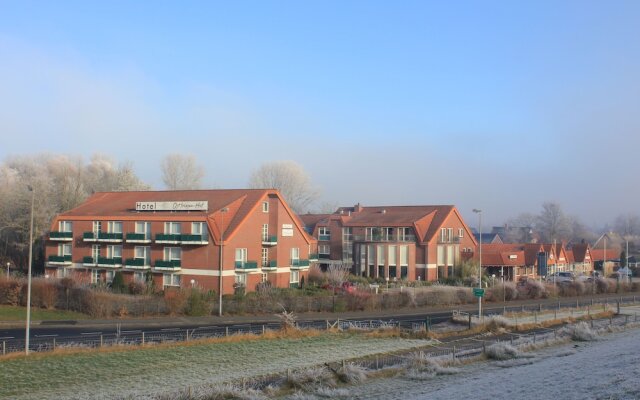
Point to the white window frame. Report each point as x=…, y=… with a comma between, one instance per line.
x=393, y=257
x=172, y=253
x=241, y=254
x=294, y=276
x=114, y=250
x=265, y=232
x=324, y=231
x=146, y=254
x=65, y=226
x=171, y=280
x=404, y=256
x=109, y=275
x=460, y=233
x=97, y=227
x=143, y=227
x=172, y=228
x=114, y=227
x=95, y=276
x=241, y=279
x=95, y=251
x=265, y=257
x=265, y=277
x=265, y=206
x=295, y=254
x=64, y=249
x=199, y=228
x=138, y=276
x=380, y=254
x=324, y=249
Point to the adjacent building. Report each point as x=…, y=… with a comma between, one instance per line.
x=393, y=242
x=182, y=239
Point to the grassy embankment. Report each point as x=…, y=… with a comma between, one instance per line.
x=15, y=313
x=118, y=373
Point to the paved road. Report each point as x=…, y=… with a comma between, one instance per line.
x=44, y=329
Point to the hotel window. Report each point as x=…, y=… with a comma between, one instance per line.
x=265, y=257
x=172, y=253
x=97, y=226
x=241, y=256
x=324, y=233
x=241, y=279
x=139, y=277
x=144, y=228
x=460, y=232
x=265, y=278
x=114, y=227
x=392, y=255
x=265, y=206
x=295, y=255
x=380, y=254
x=387, y=234
x=114, y=251
x=294, y=277
x=440, y=256
x=95, y=252
x=109, y=276
x=172, y=228
x=95, y=276
x=64, y=249
x=403, y=234
x=347, y=234
x=65, y=226
x=170, y=280
x=450, y=233
x=443, y=234
x=198, y=228
x=324, y=249
x=265, y=232
x=404, y=255
x=143, y=253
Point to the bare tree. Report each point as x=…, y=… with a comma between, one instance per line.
x=290, y=179
x=181, y=172
x=627, y=225
x=337, y=274
x=519, y=229
x=552, y=224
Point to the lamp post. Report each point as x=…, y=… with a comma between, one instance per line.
x=26, y=336
x=479, y=212
x=222, y=211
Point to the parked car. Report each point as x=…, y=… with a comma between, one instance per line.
x=561, y=277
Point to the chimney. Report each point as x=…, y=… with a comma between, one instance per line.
x=357, y=208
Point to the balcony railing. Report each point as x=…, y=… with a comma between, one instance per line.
x=136, y=263
x=244, y=265
x=324, y=237
x=172, y=238
x=384, y=238
x=270, y=240
x=66, y=259
x=272, y=264
x=64, y=236
x=89, y=260
x=313, y=256
x=168, y=265
x=102, y=237
x=295, y=263
x=193, y=239
x=112, y=262
x=323, y=256
x=454, y=239
x=138, y=238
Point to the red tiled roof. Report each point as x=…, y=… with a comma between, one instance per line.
x=497, y=254
x=599, y=254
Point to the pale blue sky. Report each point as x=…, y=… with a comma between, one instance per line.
x=495, y=105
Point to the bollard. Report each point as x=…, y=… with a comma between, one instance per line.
x=143, y=337
x=101, y=342
x=226, y=331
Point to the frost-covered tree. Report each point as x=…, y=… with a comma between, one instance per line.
x=290, y=179
x=181, y=172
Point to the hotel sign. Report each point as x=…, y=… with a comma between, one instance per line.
x=172, y=206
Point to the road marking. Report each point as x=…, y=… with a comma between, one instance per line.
x=7, y=337
x=46, y=335
x=136, y=331
x=91, y=333
x=170, y=329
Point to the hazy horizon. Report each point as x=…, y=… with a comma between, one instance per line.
x=493, y=105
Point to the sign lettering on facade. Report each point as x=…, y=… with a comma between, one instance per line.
x=287, y=232
x=172, y=206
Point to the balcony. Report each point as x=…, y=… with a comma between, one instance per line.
x=384, y=238
x=194, y=239
x=324, y=237
x=61, y=236
x=323, y=256
x=299, y=264
x=454, y=239
x=168, y=238
x=168, y=265
x=102, y=237
x=270, y=240
x=136, y=263
x=271, y=266
x=138, y=238
x=246, y=265
x=89, y=261
x=60, y=260
x=313, y=256
x=109, y=262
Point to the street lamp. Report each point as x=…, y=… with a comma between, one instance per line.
x=26, y=342
x=479, y=212
x=222, y=211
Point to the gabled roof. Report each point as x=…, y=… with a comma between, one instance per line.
x=599, y=254
x=501, y=254
x=311, y=220
x=239, y=203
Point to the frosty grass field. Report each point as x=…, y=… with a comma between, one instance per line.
x=608, y=368
x=152, y=370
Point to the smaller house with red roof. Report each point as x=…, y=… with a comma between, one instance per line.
x=506, y=260
x=186, y=238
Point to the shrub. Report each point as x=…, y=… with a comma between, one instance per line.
x=501, y=351
x=535, y=289
x=581, y=332
x=65, y=286
x=176, y=300
x=197, y=304
x=316, y=276
x=602, y=285
x=117, y=285
x=10, y=289
x=43, y=293
x=137, y=288
x=574, y=288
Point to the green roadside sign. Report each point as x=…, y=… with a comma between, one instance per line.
x=478, y=292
